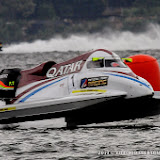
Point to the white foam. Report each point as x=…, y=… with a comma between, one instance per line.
x=112, y=40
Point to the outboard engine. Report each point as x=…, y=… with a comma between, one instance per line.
x=9, y=79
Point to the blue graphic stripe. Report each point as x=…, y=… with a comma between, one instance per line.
x=130, y=78
x=39, y=89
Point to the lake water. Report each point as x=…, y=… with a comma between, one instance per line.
x=50, y=140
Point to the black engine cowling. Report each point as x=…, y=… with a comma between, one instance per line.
x=9, y=79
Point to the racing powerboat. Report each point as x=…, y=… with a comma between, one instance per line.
x=92, y=88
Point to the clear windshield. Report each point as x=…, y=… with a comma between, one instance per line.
x=95, y=64
x=108, y=63
x=114, y=63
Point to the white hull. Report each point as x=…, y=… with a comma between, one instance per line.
x=54, y=106
x=76, y=89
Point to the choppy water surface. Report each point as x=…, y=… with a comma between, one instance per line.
x=49, y=139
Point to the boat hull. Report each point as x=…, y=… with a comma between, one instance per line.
x=115, y=110
x=50, y=108
x=88, y=111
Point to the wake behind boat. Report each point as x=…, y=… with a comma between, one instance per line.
x=94, y=87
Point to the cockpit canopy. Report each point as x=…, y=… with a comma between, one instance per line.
x=100, y=62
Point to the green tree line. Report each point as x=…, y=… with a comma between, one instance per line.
x=27, y=20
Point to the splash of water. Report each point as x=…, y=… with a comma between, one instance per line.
x=112, y=40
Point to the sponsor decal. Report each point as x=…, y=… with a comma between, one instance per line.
x=10, y=87
x=94, y=81
x=84, y=83
x=11, y=83
x=7, y=109
x=63, y=70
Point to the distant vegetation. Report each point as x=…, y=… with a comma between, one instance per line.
x=27, y=20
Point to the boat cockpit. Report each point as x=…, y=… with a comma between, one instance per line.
x=101, y=62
